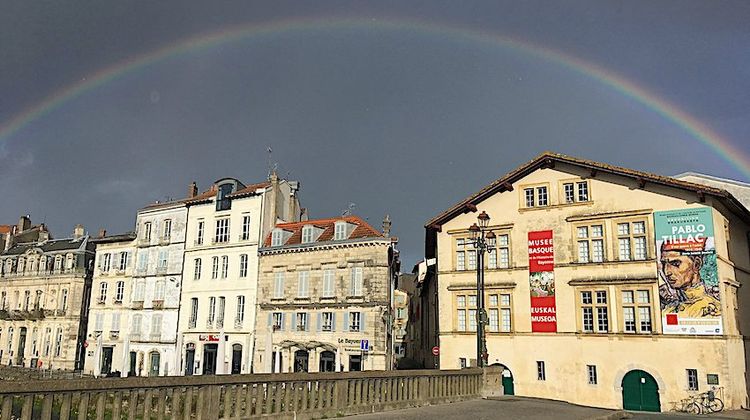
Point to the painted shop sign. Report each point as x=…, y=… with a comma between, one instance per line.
x=688, y=277
x=542, y=281
x=209, y=337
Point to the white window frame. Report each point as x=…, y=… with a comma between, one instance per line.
x=357, y=282
x=222, y=230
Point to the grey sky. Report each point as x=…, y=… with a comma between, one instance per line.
x=396, y=121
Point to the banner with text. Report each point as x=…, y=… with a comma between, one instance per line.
x=688, y=277
x=542, y=281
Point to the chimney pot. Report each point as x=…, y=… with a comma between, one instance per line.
x=102, y=232
x=78, y=231
x=192, y=190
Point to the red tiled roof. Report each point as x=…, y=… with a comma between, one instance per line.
x=547, y=158
x=211, y=193
x=363, y=229
x=5, y=228
x=250, y=189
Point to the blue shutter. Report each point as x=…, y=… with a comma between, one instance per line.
x=333, y=321
x=320, y=322
x=346, y=321
x=361, y=321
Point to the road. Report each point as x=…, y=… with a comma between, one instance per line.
x=525, y=409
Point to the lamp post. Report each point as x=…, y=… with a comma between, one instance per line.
x=481, y=236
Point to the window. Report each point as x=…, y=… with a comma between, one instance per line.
x=529, y=196
x=64, y=300
x=139, y=293
x=541, y=196
x=136, y=326
x=276, y=238
x=197, y=270
x=167, y=233
x=243, y=265
x=107, y=262
x=590, y=243
x=99, y=322
x=124, y=261
x=199, y=234
x=355, y=319
x=326, y=321
x=328, y=283
x=220, y=312
x=499, y=312
x=472, y=259
x=222, y=231
x=460, y=254
x=4, y=300
x=222, y=197
x=692, y=379
x=301, y=321
x=505, y=313
x=115, y=325
x=583, y=191
x=245, y=228
x=569, y=193
x=102, y=292
x=147, y=231
x=239, y=317
x=636, y=311
x=47, y=340
x=499, y=252
x=192, y=321
x=156, y=320
x=58, y=343
x=594, y=311
x=142, y=261
x=340, y=231
x=278, y=285
x=224, y=266
x=211, y=310
x=540, y=373
x=27, y=300
x=163, y=257
x=307, y=234
x=466, y=309
x=356, y=281
x=159, y=290
x=303, y=282
x=591, y=370
x=215, y=268
x=119, y=291
x=277, y=320
x=631, y=241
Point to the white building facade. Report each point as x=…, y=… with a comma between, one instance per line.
x=224, y=227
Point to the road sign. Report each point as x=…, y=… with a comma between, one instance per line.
x=85, y=344
x=364, y=345
x=436, y=351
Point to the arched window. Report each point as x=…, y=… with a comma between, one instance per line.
x=21, y=265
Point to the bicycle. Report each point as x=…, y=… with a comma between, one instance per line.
x=706, y=402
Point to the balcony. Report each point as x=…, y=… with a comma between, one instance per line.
x=144, y=242
x=157, y=304
x=237, y=324
x=162, y=269
x=154, y=337
x=165, y=240
x=138, y=304
x=141, y=271
x=135, y=336
x=191, y=324
x=114, y=334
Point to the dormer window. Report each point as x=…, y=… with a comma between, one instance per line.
x=340, y=233
x=276, y=238
x=307, y=234
x=222, y=200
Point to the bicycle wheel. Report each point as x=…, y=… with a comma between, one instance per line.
x=715, y=405
x=693, y=408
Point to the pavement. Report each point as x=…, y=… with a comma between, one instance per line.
x=522, y=408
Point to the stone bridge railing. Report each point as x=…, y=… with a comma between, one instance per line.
x=292, y=395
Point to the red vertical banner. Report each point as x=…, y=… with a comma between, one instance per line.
x=542, y=281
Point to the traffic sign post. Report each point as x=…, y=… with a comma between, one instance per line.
x=436, y=351
x=364, y=345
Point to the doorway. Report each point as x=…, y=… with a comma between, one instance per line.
x=209, y=358
x=273, y=362
x=189, y=362
x=301, y=359
x=355, y=363
x=508, y=388
x=236, y=359
x=133, y=362
x=154, y=363
x=106, y=363
x=640, y=392
x=21, y=346
x=327, y=361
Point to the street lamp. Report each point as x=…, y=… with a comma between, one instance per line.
x=481, y=237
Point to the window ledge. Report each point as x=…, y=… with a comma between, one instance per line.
x=556, y=206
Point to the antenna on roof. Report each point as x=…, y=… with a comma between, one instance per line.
x=349, y=210
x=271, y=165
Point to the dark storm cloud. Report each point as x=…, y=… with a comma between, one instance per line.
x=394, y=121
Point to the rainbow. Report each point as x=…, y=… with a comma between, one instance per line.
x=738, y=158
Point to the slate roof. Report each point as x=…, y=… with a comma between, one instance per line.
x=51, y=245
x=549, y=158
x=209, y=194
x=124, y=237
x=362, y=230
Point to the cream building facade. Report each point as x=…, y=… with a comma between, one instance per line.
x=44, y=297
x=325, y=289
x=612, y=336
x=225, y=226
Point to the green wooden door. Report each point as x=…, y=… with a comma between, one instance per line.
x=640, y=392
x=508, y=385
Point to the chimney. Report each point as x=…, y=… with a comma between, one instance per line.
x=24, y=223
x=78, y=231
x=102, y=232
x=43, y=233
x=387, y=226
x=192, y=190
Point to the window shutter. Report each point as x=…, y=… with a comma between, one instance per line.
x=320, y=321
x=333, y=321
x=309, y=321
x=270, y=319
x=346, y=321
x=283, y=321
x=361, y=321
x=129, y=258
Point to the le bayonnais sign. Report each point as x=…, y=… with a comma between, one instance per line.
x=542, y=282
